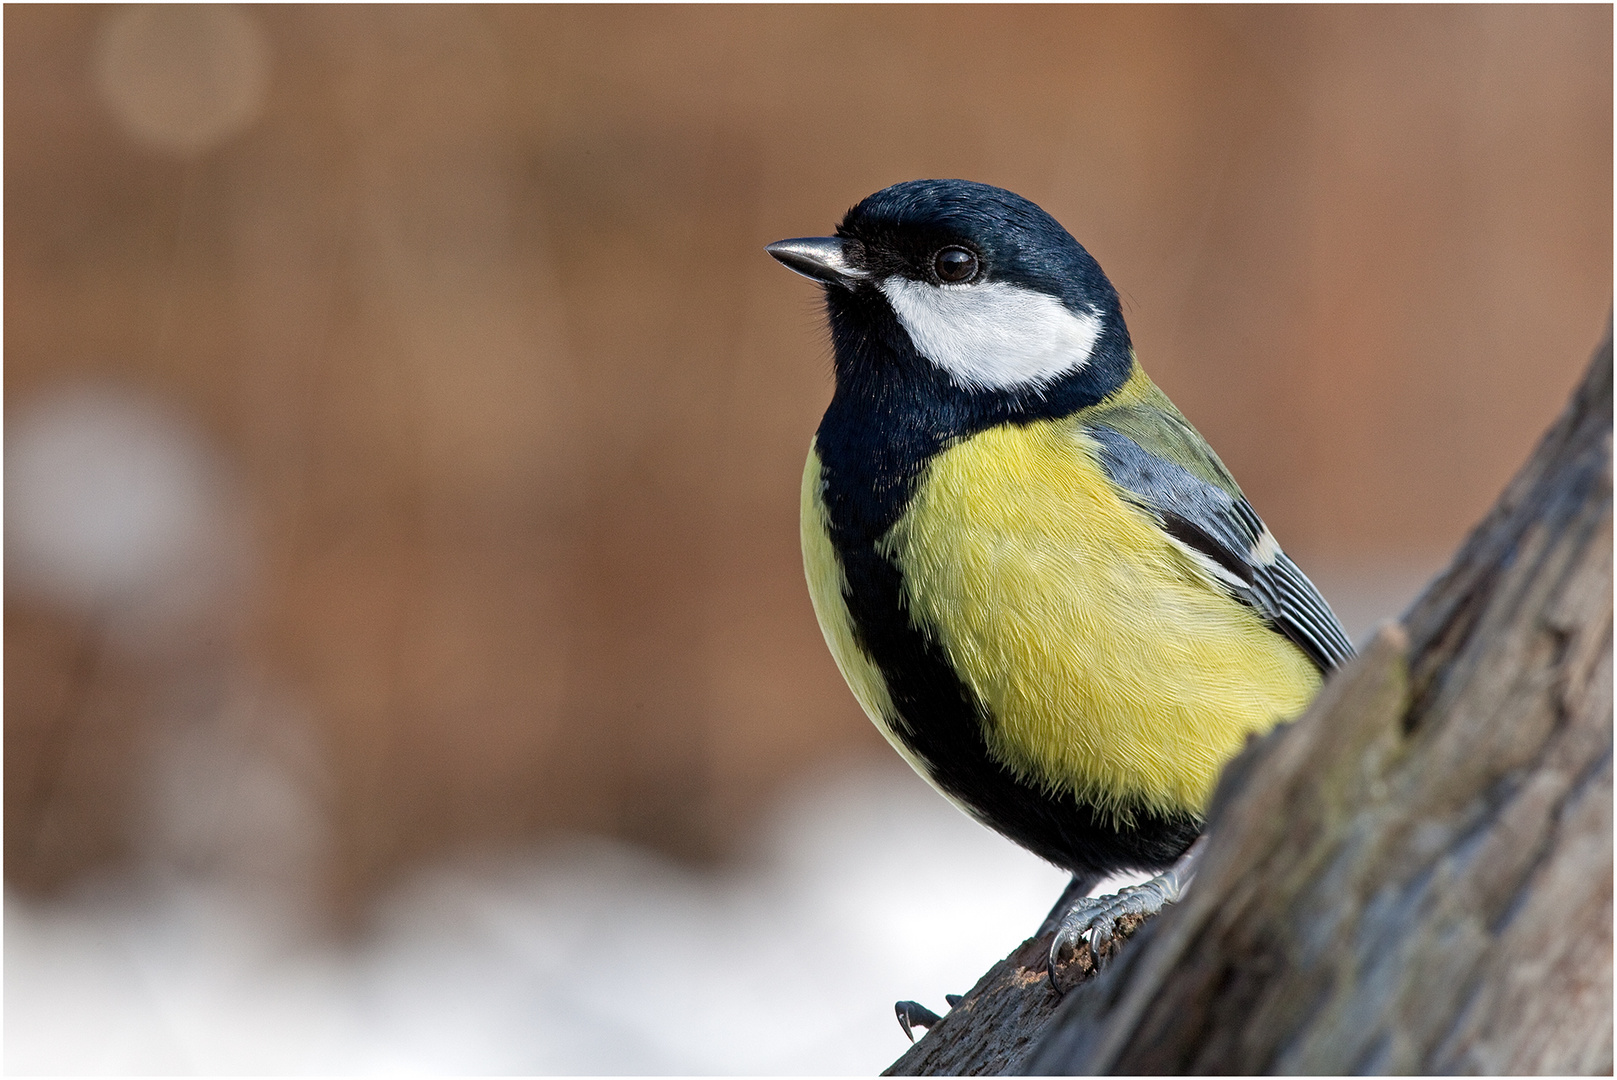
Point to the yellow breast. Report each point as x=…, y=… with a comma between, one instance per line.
x=1108, y=662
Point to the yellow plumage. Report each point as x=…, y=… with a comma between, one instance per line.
x=1109, y=662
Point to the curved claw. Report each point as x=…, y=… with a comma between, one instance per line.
x=1053, y=965
x=914, y=1014
x=1075, y=930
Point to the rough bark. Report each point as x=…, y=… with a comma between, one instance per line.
x=1416, y=875
x=993, y=1029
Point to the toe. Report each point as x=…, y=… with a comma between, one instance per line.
x=912, y=1014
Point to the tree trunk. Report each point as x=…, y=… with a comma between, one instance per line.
x=1416, y=875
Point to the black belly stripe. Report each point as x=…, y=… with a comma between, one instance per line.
x=942, y=715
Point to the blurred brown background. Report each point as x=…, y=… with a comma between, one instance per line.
x=404, y=423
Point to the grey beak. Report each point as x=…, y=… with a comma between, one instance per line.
x=825, y=259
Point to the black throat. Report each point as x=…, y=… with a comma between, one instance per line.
x=893, y=410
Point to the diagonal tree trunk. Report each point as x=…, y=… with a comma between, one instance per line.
x=1416, y=875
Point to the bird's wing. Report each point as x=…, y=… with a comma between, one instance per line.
x=1219, y=528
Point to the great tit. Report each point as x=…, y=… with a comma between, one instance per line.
x=1037, y=578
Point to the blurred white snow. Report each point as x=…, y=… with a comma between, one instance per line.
x=586, y=956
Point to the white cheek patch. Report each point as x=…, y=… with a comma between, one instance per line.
x=993, y=336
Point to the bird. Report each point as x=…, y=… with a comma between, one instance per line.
x=1037, y=578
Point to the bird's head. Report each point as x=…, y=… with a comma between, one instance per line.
x=978, y=283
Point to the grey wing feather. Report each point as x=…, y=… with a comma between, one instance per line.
x=1225, y=530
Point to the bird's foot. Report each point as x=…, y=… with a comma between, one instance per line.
x=1093, y=920
x=912, y=1014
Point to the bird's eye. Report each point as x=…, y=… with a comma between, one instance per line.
x=954, y=264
